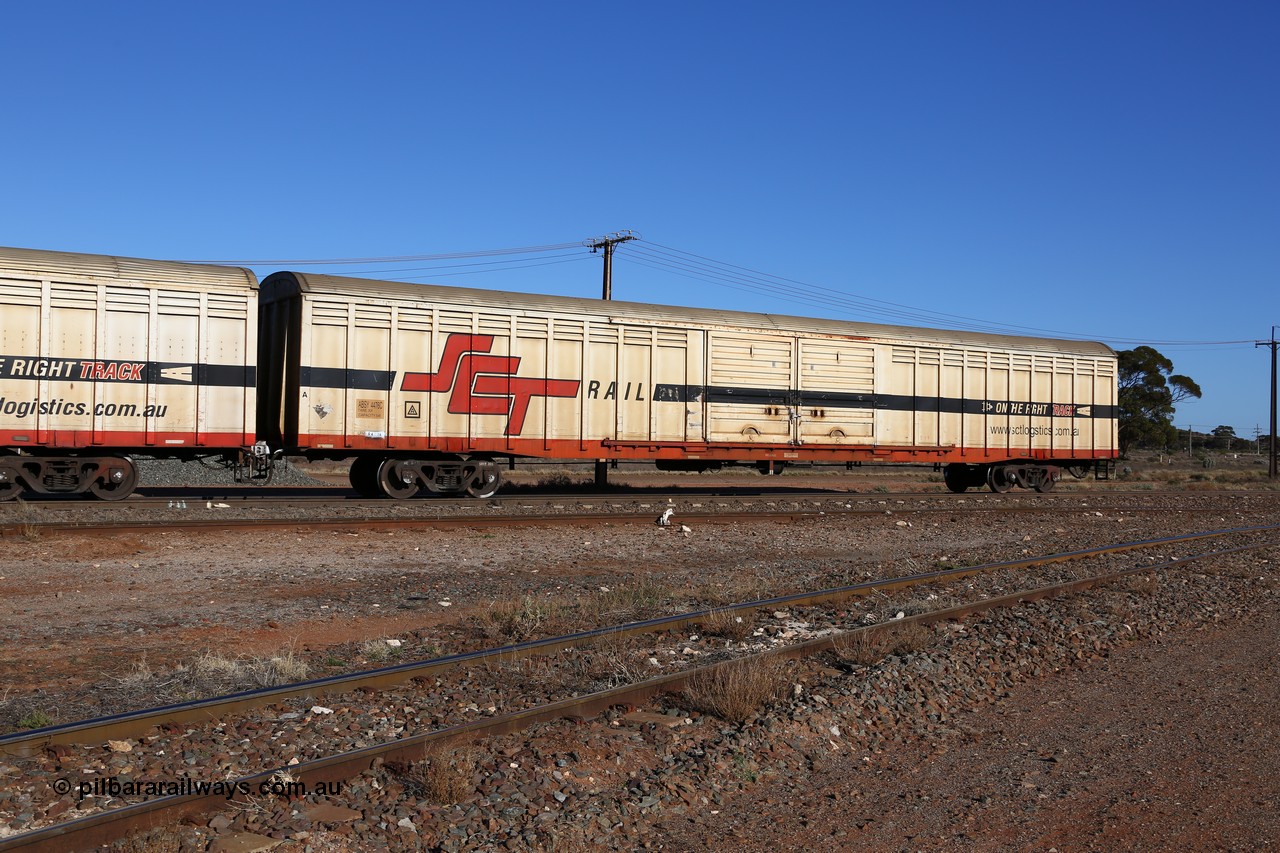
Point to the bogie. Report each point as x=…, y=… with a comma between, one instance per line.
x=1002, y=478
x=109, y=478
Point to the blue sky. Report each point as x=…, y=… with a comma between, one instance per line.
x=1103, y=170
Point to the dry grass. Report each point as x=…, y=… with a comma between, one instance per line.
x=139, y=675
x=212, y=674
x=559, y=480
x=872, y=646
x=159, y=840
x=26, y=521
x=604, y=662
x=739, y=589
x=610, y=660
x=1211, y=472
x=532, y=617
x=378, y=651
x=445, y=775
x=16, y=715
x=731, y=625
x=231, y=674
x=741, y=689
x=514, y=621
x=644, y=600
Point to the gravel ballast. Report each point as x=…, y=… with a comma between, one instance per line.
x=850, y=759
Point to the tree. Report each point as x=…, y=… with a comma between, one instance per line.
x=1149, y=389
x=1224, y=436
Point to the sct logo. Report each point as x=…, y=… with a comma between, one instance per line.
x=485, y=384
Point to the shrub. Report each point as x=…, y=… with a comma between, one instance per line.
x=737, y=691
x=518, y=620
x=35, y=719
x=871, y=646
x=444, y=775
x=732, y=625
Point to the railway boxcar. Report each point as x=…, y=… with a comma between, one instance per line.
x=104, y=357
x=426, y=386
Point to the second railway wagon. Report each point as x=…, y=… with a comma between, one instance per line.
x=426, y=386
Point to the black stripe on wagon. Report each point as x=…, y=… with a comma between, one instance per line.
x=383, y=380
x=339, y=377
x=838, y=400
x=172, y=373
x=760, y=396
x=126, y=371
x=887, y=402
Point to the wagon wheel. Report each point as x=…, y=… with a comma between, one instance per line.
x=107, y=489
x=392, y=483
x=364, y=476
x=998, y=479
x=485, y=483
x=1046, y=482
x=1078, y=471
x=956, y=477
x=10, y=485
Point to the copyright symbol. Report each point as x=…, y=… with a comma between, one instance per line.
x=61, y=786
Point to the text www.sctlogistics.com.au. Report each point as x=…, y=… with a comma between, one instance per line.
x=1023, y=429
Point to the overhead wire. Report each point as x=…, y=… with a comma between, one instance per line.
x=480, y=272
x=798, y=294
x=497, y=265
x=722, y=273
x=771, y=283
x=742, y=286
x=690, y=265
x=393, y=259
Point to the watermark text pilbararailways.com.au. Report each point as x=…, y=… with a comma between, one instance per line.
x=279, y=785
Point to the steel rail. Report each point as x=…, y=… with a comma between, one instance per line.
x=270, y=496
x=136, y=723
x=103, y=828
x=383, y=523
x=28, y=529
x=154, y=495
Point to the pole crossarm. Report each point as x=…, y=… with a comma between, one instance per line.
x=607, y=243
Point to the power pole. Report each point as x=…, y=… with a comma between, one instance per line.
x=1271, y=466
x=607, y=243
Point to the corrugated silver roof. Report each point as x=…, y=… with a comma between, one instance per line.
x=283, y=284
x=72, y=266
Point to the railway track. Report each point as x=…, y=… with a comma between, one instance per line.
x=93, y=830
x=522, y=511
x=164, y=496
